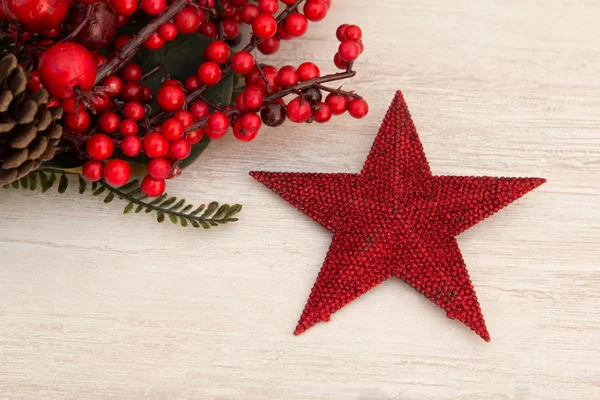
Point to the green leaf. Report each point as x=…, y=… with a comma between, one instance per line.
x=178, y=205
x=221, y=211
x=82, y=185
x=198, y=210
x=63, y=183
x=128, y=208
x=98, y=191
x=160, y=216
x=24, y=182
x=184, y=222
x=168, y=202
x=210, y=209
x=110, y=197
x=32, y=181
x=173, y=218
x=179, y=57
x=15, y=184
x=236, y=208
x=139, y=209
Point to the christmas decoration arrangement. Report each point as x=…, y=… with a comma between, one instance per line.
x=125, y=94
x=395, y=219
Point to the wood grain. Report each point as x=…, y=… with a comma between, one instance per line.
x=97, y=305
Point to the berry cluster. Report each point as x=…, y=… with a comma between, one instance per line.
x=108, y=116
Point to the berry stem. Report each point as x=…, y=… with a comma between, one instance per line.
x=284, y=92
x=129, y=51
x=336, y=91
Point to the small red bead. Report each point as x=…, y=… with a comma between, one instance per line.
x=117, y=172
x=99, y=147
x=131, y=146
x=128, y=127
x=298, y=110
x=159, y=168
x=242, y=62
x=152, y=187
x=155, y=145
x=180, y=149
x=308, y=71
x=109, y=122
x=92, y=170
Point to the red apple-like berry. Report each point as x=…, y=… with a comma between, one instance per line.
x=99, y=147
x=92, y=170
x=66, y=66
x=117, y=172
x=153, y=187
x=298, y=110
x=38, y=15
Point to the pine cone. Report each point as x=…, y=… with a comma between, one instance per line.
x=28, y=134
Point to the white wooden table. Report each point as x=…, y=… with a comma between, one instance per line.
x=98, y=305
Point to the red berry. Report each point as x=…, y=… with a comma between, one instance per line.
x=99, y=147
x=239, y=102
x=133, y=110
x=298, y=110
x=154, y=42
x=131, y=72
x=152, y=187
x=132, y=91
x=251, y=122
x=109, y=122
x=282, y=33
x=264, y=26
x=155, y=145
x=248, y=13
x=192, y=83
x=208, y=29
x=217, y=51
x=168, y=31
x=315, y=10
x=296, y=24
x=308, y=71
x=268, y=6
x=242, y=62
x=339, y=62
x=125, y=7
x=322, y=112
x=253, y=97
x=209, y=73
x=153, y=7
x=358, y=108
x=287, y=76
x=170, y=98
x=146, y=96
x=128, y=127
x=340, y=33
x=185, y=117
x=117, y=172
x=37, y=15
x=199, y=110
x=231, y=28
x=113, y=85
x=187, y=20
x=242, y=134
x=100, y=59
x=254, y=78
x=218, y=123
x=338, y=103
x=180, y=149
x=79, y=122
x=194, y=136
x=66, y=66
x=270, y=45
x=92, y=170
x=34, y=83
x=159, y=168
x=353, y=32
x=172, y=129
x=131, y=146
x=349, y=50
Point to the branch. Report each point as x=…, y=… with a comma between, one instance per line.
x=129, y=51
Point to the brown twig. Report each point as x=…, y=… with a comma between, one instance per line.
x=130, y=49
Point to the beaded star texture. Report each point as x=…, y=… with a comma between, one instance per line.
x=395, y=219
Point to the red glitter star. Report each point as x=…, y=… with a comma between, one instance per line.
x=395, y=219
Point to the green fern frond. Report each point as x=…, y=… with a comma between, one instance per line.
x=164, y=206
